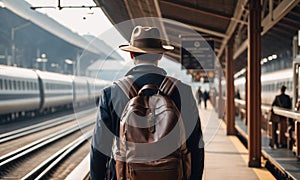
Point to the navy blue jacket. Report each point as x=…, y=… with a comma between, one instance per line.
x=111, y=104
x=283, y=101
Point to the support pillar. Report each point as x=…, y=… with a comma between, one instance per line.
x=220, y=96
x=230, y=106
x=254, y=84
x=246, y=96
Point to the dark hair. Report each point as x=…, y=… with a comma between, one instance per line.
x=146, y=57
x=283, y=88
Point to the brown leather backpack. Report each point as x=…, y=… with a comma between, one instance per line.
x=146, y=124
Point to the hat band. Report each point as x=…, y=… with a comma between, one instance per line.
x=147, y=43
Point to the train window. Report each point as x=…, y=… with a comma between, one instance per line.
x=4, y=84
x=10, y=84
x=1, y=86
x=28, y=85
x=22, y=85
x=19, y=85
x=14, y=84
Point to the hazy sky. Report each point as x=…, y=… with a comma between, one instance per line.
x=80, y=20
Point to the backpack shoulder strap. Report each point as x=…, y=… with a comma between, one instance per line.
x=168, y=85
x=128, y=87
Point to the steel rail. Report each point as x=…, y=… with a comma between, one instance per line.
x=39, y=127
x=46, y=166
x=25, y=150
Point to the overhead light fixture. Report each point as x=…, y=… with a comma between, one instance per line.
x=68, y=61
x=270, y=58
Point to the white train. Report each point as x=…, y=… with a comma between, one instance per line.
x=27, y=90
x=271, y=84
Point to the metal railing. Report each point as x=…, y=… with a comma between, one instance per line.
x=266, y=109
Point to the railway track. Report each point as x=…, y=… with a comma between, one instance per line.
x=39, y=158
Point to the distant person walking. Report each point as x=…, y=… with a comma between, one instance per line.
x=199, y=95
x=283, y=101
x=237, y=94
x=205, y=98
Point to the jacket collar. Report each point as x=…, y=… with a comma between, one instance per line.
x=144, y=69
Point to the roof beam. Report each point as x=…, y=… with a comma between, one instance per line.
x=282, y=31
x=291, y=20
x=288, y=26
x=277, y=36
x=281, y=10
x=196, y=28
x=189, y=9
x=158, y=11
x=295, y=14
x=240, y=50
x=267, y=23
x=238, y=12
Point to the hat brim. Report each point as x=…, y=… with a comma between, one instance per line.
x=130, y=48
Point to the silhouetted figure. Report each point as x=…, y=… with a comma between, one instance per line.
x=205, y=98
x=199, y=95
x=237, y=94
x=283, y=101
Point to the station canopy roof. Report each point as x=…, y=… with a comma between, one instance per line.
x=218, y=19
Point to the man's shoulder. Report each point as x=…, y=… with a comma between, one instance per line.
x=108, y=89
x=283, y=96
x=182, y=84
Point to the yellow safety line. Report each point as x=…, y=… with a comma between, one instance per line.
x=262, y=173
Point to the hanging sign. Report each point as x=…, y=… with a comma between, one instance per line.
x=197, y=53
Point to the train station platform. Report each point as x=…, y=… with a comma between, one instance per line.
x=225, y=156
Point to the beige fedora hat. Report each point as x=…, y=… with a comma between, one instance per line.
x=146, y=40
